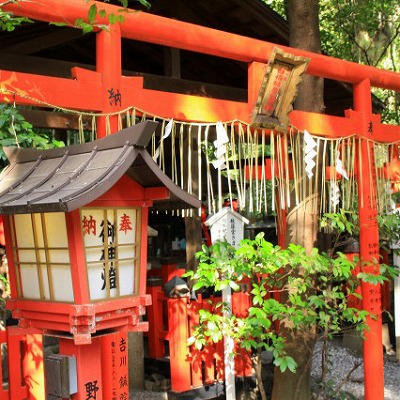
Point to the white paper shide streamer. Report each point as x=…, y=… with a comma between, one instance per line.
x=309, y=154
x=220, y=147
x=167, y=132
x=339, y=167
x=335, y=194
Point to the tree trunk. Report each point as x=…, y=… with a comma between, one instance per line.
x=304, y=34
x=302, y=220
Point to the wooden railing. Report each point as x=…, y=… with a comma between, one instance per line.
x=171, y=323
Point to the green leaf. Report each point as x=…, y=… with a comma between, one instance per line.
x=58, y=23
x=92, y=13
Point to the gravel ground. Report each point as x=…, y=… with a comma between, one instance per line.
x=136, y=395
x=342, y=361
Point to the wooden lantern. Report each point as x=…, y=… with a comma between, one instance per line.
x=75, y=221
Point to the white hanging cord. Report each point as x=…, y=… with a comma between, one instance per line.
x=199, y=166
x=181, y=143
x=13, y=126
x=81, y=131
x=286, y=166
x=189, y=169
x=235, y=163
x=94, y=129
x=228, y=170
x=174, y=173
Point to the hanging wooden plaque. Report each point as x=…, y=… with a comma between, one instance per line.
x=278, y=90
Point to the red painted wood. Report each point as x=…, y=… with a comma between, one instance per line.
x=155, y=319
x=196, y=361
x=159, y=30
x=241, y=302
x=141, y=26
x=80, y=282
x=89, y=367
x=17, y=387
x=108, y=64
x=354, y=301
x=208, y=352
x=75, y=93
x=33, y=365
x=12, y=273
x=369, y=245
x=178, y=350
x=4, y=392
x=2, y=237
x=114, y=359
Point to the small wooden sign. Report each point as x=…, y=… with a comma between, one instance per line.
x=278, y=90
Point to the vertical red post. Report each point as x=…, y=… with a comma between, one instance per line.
x=195, y=355
x=109, y=65
x=33, y=366
x=240, y=307
x=114, y=356
x=178, y=350
x=17, y=386
x=155, y=318
x=369, y=243
x=89, y=368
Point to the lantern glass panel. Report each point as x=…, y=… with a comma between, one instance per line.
x=41, y=257
x=30, y=281
x=112, y=250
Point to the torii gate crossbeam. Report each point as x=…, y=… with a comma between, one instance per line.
x=88, y=91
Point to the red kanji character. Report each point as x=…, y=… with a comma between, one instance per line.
x=125, y=224
x=89, y=225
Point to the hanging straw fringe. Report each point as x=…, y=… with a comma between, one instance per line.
x=244, y=146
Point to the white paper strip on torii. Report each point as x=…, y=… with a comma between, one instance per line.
x=309, y=153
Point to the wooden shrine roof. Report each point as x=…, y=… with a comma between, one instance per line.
x=67, y=178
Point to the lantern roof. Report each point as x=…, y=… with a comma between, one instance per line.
x=67, y=178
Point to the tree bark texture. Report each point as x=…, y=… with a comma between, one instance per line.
x=302, y=219
x=304, y=34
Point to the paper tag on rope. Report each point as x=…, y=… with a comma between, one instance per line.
x=168, y=129
x=335, y=194
x=156, y=154
x=167, y=132
x=309, y=153
x=219, y=163
x=222, y=136
x=220, y=146
x=339, y=167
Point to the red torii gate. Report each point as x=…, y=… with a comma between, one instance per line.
x=90, y=91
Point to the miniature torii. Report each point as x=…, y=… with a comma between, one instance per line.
x=90, y=90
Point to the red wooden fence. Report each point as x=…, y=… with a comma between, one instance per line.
x=190, y=368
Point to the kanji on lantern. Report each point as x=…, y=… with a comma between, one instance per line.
x=125, y=223
x=89, y=225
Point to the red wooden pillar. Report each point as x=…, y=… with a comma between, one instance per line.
x=89, y=368
x=114, y=356
x=16, y=376
x=156, y=324
x=241, y=303
x=178, y=350
x=369, y=243
x=108, y=64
